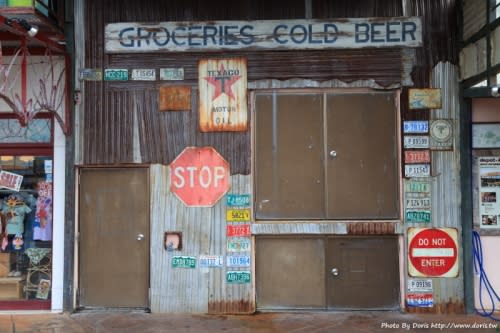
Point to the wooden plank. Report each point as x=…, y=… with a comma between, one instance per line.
x=129, y=37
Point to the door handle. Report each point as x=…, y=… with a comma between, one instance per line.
x=140, y=237
x=335, y=272
x=333, y=153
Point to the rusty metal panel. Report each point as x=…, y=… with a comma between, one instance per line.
x=474, y=17
x=175, y=98
x=222, y=85
x=199, y=290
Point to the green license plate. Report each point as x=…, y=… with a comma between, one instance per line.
x=238, y=277
x=184, y=262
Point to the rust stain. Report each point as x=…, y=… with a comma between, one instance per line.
x=440, y=308
x=231, y=307
x=175, y=98
x=371, y=228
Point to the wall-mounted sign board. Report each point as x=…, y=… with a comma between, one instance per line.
x=175, y=98
x=222, y=86
x=198, y=36
x=424, y=98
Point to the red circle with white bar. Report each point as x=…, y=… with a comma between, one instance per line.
x=432, y=252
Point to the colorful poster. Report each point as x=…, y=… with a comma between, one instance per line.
x=489, y=192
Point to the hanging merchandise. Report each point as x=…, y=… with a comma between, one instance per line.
x=42, y=227
x=14, y=208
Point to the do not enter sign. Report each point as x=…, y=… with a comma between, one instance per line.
x=199, y=177
x=432, y=252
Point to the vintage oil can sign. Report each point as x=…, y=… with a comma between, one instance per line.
x=199, y=177
x=222, y=85
x=183, y=262
x=238, y=277
x=432, y=252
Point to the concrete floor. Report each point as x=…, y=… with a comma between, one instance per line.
x=308, y=322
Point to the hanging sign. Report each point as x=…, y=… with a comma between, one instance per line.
x=11, y=181
x=432, y=252
x=198, y=36
x=223, y=95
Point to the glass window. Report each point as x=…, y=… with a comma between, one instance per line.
x=26, y=228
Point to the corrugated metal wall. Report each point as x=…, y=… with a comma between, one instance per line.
x=122, y=124
x=204, y=233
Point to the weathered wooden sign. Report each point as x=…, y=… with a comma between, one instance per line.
x=223, y=95
x=264, y=34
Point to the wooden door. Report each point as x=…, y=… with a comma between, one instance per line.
x=362, y=272
x=114, y=238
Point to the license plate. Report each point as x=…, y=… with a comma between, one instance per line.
x=238, y=277
x=238, y=200
x=418, y=203
x=413, y=216
x=238, y=261
x=238, y=245
x=418, y=170
x=238, y=215
x=183, y=262
x=238, y=230
x=416, y=126
x=420, y=286
x=210, y=261
x=417, y=186
x=416, y=141
x=417, y=156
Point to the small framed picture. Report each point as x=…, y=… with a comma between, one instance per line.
x=173, y=240
x=43, y=289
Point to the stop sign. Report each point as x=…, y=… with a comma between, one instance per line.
x=199, y=176
x=432, y=252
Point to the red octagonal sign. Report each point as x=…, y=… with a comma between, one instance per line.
x=199, y=176
x=432, y=252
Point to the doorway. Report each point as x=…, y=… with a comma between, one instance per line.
x=114, y=238
x=327, y=272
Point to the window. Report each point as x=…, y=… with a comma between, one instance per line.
x=326, y=155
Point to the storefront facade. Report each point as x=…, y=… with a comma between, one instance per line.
x=34, y=126
x=243, y=157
